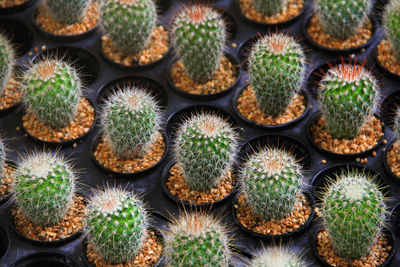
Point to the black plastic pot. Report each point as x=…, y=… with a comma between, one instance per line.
x=46, y=259
x=388, y=109
x=4, y=243
x=13, y=9
x=395, y=220
x=388, y=170
x=19, y=35
x=382, y=68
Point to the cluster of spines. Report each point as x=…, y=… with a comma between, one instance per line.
x=278, y=256
x=270, y=7
x=392, y=25
x=7, y=61
x=2, y=159
x=68, y=12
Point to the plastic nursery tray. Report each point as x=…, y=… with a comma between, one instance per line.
x=14, y=251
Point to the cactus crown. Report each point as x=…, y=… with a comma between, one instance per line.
x=117, y=224
x=270, y=7
x=43, y=188
x=349, y=204
x=198, y=34
x=349, y=94
x=197, y=239
x=342, y=18
x=278, y=257
x=277, y=69
x=391, y=25
x=130, y=119
x=271, y=181
x=7, y=61
x=68, y=12
x=205, y=149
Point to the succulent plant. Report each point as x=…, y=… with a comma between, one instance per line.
x=348, y=93
x=130, y=120
x=2, y=158
x=341, y=19
x=67, y=12
x=129, y=23
x=7, y=61
x=353, y=211
x=52, y=91
x=117, y=224
x=270, y=7
x=392, y=25
x=278, y=257
x=197, y=239
x=205, y=148
x=198, y=35
x=277, y=68
x=43, y=188
x=271, y=181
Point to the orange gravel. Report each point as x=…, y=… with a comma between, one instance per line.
x=387, y=58
x=12, y=94
x=11, y=3
x=393, y=158
x=6, y=180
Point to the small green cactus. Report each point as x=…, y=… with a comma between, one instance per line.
x=117, y=224
x=129, y=23
x=348, y=94
x=67, y=12
x=341, y=19
x=52, y=90
x=277, y=69
x=270, y=7
x=7, y=61
x=43, y=188
x=130, y=120
x=353, y=211
x=198, y=34
x=278, y=257
x=391, y=25
x=205, y=149
x=271, y=181
x=197, y=239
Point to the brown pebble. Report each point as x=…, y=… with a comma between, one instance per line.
x=323, y=161
x=11, y=3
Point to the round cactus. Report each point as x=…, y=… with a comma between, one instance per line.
x=205, y=148
x=341, y=19
x=67, y=12
x=130, y=120
x=270, y=7
x=278, y=257
x=392, y=25
x=43, y=188
x=348, y=95
x=129, y=23
x=52, y=90
x=199, y=36
x=117, y=224
x=197, y=239
x=353, y=211
x=7, y=61
x=277, y=68
x=271, y=181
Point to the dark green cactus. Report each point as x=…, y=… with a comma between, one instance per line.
x=68, y=12
x=270, y=7
x=391, y=25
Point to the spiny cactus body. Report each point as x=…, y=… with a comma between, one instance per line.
x=278, y=257
x=129, y=23
x=205, y=148
x=2, y=158
x=130, y=120
x=197, y=239
x=277, y=68
x=270, y=7
x=348, y=95
x=7, y=61
x=199, y=36
x=43, y=188
x=117, y=224
x=392, y=25
x=342, y=18
x=52, y=90
x=353, y=211
x=68, y=12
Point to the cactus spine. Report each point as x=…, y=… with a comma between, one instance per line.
x=205, y=148
x=277, y=69
x=52, y=90
x=353, y=211
x=199, y=36
x=129, y=23
x=270, y=7
x=278, y=257
x=43, y=188
x=130, y=120
x=341, y=19
x=7, y=61
x=197, y=239
x=2, y=158
x=117, y=224
x=392, y=25
x=68, y=12
x=348, y=95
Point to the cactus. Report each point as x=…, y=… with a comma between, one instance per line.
x=348, y=95
x=277, y=69
x=198, y=34
x=43, y=188
x=278, y=257
x=52, y=90
x=341, y=19
x=353, y=211
x=129, y=23
x=117, y=224
x=130, y=120
x=205, y=148
x=391, y=25
x=7, y=61
x=2, y=158
x=68, y=12
x=271, y=181
x=197, y=239
x=270, y=7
